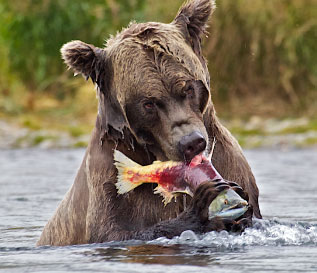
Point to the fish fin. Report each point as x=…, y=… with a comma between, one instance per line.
x=122, y=162
x=187, y=191
x=167, y=196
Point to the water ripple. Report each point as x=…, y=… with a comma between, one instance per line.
x=263, y=233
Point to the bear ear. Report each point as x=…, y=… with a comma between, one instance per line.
x=82, y=58
x=192, y=20
x=92, y=62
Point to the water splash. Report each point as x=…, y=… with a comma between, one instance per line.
x=263, y=233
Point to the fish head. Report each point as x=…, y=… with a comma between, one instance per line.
x=228, y=205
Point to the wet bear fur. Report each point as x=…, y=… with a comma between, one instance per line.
x=153, y=87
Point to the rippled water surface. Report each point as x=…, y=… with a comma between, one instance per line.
x=32, y=183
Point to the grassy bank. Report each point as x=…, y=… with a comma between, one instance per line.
x=68, y=124
x=290, y=133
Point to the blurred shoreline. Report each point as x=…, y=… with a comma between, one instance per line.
x=254, y=133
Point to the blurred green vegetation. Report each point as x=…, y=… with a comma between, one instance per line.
x=262, y=56
x=33, y=31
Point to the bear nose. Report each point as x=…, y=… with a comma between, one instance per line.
x=192, y=145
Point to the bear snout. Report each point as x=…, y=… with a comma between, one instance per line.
x=191, y=145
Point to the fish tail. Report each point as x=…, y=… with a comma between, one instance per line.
x=123, y=163
x=125, y=186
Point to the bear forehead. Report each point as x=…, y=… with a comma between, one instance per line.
x=135, y=63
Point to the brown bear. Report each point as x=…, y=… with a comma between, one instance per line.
x=153, y=88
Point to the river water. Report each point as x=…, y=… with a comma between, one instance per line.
x=33, y=181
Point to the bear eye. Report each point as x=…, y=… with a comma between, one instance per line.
x=190, y=92
x=148, y=105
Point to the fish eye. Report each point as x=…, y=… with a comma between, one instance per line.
x=226, y=202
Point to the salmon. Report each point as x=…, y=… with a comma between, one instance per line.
x=171, y=177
